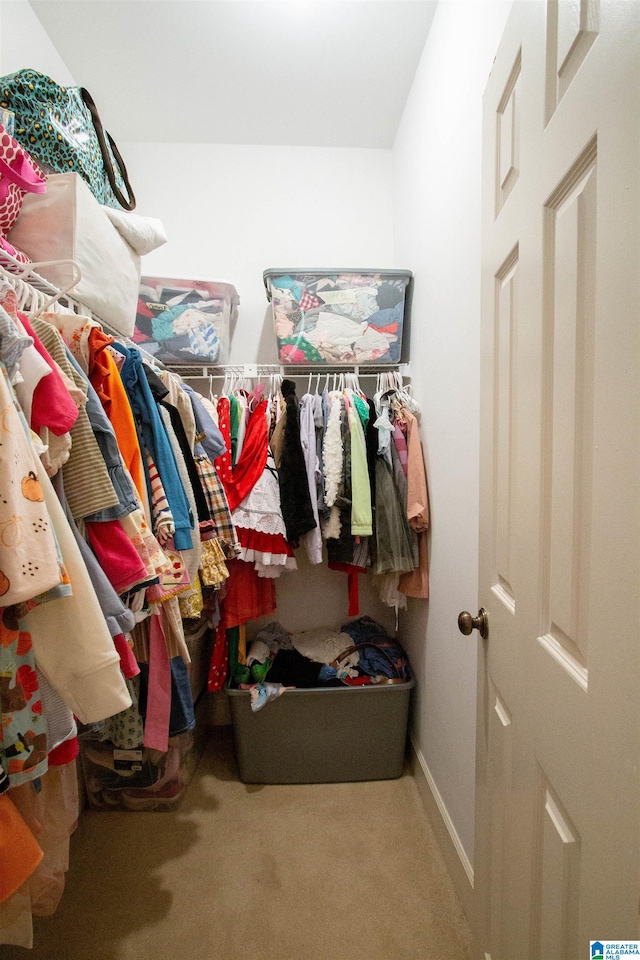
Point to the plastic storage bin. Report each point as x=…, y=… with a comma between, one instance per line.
x=322, y=734
x=156, y=781
x=338, y=317
x=185, y=321
x=144, y=779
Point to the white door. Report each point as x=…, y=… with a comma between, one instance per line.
x=558, y=805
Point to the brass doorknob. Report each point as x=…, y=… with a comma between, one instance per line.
x=467, y=623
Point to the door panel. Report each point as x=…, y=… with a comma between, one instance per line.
x=557, y=863
x=569, y=328
x=572, y=28
x=506, y=301
x=558, y=798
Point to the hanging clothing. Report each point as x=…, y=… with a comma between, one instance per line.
x=52, y=406
x=23, y=727
x=208, y=436
x=248, y=596
x=218, y=507
x=156, y=440
x=260, y=526
x=82, y=664
x=239, y=480
x=333, y=463
x=295, y=497
x=30, y=563
x=105, y=378
x=106, y=438
x=118, y=618
x=87, y=483
x=396, y=542
x=177, y=397
x=312, y=539
x=361, y=517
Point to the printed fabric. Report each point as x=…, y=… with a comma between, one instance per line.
x=30, y=564
x=218, y=507
x=163, y=523
x=214, y=570
x=23, y=726
x=86, y=479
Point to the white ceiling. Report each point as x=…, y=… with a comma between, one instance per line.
x=303, y=72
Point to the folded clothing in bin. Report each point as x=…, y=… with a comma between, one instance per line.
x=362, y=653
x=334, y=316
x=185, y=321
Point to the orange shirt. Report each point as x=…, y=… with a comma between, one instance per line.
x=105, y=378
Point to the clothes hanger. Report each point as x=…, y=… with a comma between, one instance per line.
x=405, y=395
x=26, y=296
x=75, y=280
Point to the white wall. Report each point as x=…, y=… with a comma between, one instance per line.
x=230, y=212
x=24, y=43
x=437, y=176
x=233, y=211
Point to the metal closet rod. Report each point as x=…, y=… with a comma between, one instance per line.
x=254, y=370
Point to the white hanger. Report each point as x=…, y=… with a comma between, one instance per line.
x=76, y=278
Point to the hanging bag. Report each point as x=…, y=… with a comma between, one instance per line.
x=61, y=127
x=19, y=174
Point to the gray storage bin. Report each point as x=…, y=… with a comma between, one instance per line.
x=322, y=734
x=339, y=316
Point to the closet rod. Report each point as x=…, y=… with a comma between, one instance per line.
x=255, y=370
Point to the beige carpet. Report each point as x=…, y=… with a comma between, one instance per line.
x=317, y=872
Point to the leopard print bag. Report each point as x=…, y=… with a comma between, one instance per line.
x=61, y=128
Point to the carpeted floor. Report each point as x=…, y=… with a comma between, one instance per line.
x=316, y=872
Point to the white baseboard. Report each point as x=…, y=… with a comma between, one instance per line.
x=455, y=856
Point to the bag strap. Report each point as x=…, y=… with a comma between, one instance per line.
x=30, y=184
x=128, y=202
x=368, y=643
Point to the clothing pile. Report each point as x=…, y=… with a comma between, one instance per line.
x=361, y=653
x=338, y=318
x=185, y=321
x=114, y=526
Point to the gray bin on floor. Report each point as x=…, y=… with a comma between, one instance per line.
x=323, y=734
